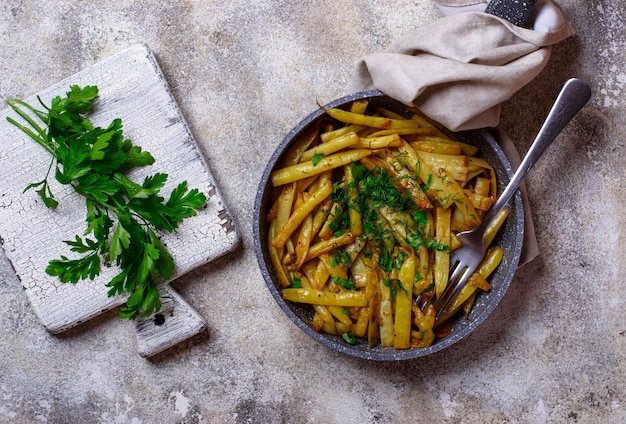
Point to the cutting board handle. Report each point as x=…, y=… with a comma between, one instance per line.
x=174, y=323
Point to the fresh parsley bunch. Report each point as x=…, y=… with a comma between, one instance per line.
x=122, y=216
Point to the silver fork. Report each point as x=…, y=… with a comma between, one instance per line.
x=465, y=260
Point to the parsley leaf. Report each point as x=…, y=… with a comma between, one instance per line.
x=72, y=270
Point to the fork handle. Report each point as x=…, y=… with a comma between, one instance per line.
x=573, y=96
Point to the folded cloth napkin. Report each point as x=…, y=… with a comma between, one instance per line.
x=467, y=54
x=460, y=68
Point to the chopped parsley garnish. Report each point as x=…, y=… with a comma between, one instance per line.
x=346, y=284
x=341, y=258
x=296, y=282
x=315, y=160
x=340, y=221
x=349, y=339
x=420, y=217
x=379, y=189
x=394, y=285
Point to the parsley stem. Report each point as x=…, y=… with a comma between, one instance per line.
x=39, y=135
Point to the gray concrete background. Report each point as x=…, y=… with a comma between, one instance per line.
x=244, y=73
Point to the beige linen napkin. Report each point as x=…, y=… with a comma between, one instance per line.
x=458, y=70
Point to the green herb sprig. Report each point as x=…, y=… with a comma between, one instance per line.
x=122, y=216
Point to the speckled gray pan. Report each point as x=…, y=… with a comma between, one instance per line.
x=510, y=239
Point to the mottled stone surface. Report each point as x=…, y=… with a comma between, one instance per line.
x=244, y=73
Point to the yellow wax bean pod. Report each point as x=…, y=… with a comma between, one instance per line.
x=324, y=297
x=306, y=169
x=332, y=146
x=371, y=121
x=403, y=301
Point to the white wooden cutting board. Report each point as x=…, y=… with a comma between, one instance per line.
x=133, y=88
